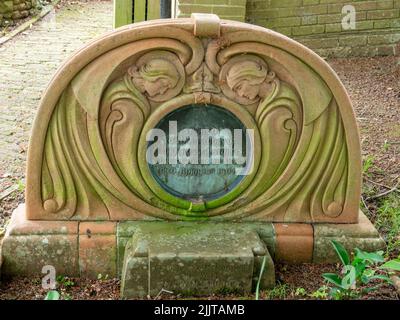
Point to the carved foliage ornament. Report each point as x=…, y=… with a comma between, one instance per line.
x=88, y=144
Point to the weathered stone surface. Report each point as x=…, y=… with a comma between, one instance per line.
x=396, y=282
x=126, y=229
x=193, y=259
x=15, y=9
x=97, y=249
x=305, y=135
x=312, y=108
x=27, y=255
x=6, y=6
x=19, y=225
x=362, y=235
x=28, y=246
x=294, y=242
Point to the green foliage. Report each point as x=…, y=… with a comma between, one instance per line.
x=52, y=295
x=386, y=145
x=21, y=185
x=66, y=296
x=55, y=295
x=357, y=274
x=102, y=277
x=63, y=284
x=279, y=292
x=260, y=277
x=367, y=164
x=321, y=293
x=388, y=223
x=341, y=252
x=300, y=292
x=65, y=281
x=392, y=265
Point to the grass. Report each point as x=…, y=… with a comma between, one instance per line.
x=368, y=163
x=387, y=222
x=280, y=291
x=385, y=212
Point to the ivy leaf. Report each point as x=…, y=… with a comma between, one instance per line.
x=369, y=256
x=349, y=279
x=52, y=295
x=392, y=265
x=382, y=277
x=341, y=251
x=333, y=278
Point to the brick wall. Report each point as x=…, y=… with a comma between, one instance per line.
x=317, y=24
x=225, y=9
x=11, y=10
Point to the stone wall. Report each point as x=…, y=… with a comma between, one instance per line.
x=316, y=23
x=12, y=10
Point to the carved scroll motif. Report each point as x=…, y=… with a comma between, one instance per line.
x=302, y=172
x=157, y=76
x=90, y=166
x=94, y=172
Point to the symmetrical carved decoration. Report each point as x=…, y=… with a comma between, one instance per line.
x=85, y=151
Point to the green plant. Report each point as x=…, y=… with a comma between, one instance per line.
x=65, y=281
x=300, y=292
x=388, y=223
x=367, y=164
x=52, y=295
x=260, y=277
x=66, y=296
x=321, y=293
x=21, y=185
x=279, y=292
x=357, y=273
x=55, y=295
x=392, y=265
x=386, y=145
x=101, y=277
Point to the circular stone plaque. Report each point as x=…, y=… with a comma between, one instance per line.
x=205, y=152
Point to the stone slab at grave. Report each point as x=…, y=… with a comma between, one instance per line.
x=95, y=203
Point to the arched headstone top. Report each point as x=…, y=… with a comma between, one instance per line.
x=88, y=151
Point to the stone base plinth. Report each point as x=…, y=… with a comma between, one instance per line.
x=73, y=248
x=362, y=235
x=194, y=259
x=89, y=248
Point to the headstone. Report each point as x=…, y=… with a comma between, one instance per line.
x=189, y=142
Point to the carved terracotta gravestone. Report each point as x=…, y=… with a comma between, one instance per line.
x=96, y=204
x=87, y=157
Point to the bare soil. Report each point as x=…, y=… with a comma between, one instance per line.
x=289, y=278
x=374, y=88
